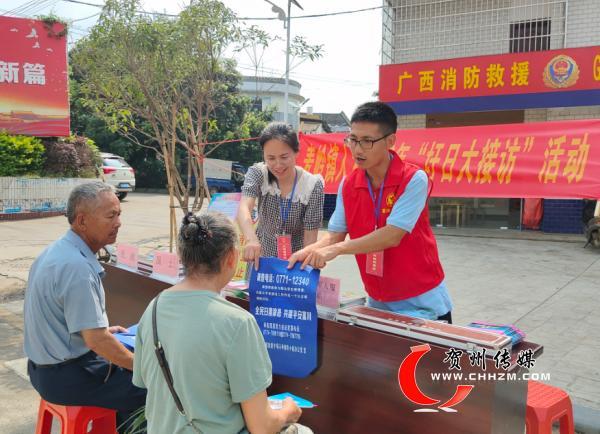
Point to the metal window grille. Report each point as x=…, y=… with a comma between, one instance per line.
x=530, y=36
x=420, y=30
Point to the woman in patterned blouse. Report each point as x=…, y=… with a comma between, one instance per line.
x=290, y=199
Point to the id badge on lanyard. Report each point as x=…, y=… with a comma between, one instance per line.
x=284, y=242
x=374, y=264
x=284, y=246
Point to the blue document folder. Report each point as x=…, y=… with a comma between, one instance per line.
x=128, y=338
x=301, y=402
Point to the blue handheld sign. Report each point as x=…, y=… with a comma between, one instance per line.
x=284, y=303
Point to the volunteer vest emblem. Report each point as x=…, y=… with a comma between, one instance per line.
x=561, y=71
x=389, y=203
x=389, y=200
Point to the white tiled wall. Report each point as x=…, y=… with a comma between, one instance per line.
x=434, y=29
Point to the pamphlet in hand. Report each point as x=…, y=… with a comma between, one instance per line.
x=128, y=338
x=276, y=401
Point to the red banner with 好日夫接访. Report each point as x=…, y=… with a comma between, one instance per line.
x=541, y=160
x=34, y=98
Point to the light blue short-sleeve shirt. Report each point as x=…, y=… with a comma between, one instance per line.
x=404, y=215
x=64, y=296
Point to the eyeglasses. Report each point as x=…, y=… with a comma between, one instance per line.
x=365, y=144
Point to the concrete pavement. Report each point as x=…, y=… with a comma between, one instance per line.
x=546, y=285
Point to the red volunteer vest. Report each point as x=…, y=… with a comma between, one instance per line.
x=409, y=269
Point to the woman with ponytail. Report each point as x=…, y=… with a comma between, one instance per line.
x=202, y=358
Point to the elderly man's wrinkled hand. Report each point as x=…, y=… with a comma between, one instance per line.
x=117, y=329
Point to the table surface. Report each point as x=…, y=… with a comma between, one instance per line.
x=356, y=383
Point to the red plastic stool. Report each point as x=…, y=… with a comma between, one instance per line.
x=75, y=420
x=545, y=405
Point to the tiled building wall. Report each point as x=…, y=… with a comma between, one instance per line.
x=427, y=30
x=432, y=29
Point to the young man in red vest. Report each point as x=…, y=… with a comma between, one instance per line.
x=382, y=205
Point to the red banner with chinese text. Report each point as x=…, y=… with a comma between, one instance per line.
x=546, y=159
x=34, y=97
x=550, y=78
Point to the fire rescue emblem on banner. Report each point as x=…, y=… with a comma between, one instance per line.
x=562, y=71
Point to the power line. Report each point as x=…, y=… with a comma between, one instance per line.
x=314, y=15
x=17, y=10
x=6, y=12
x=72, y=29
x=84, y=3
x=35, y=3
x=79, y=2
x=86, y=18
x=27, y=9
x=241, y=19
x=330, y=14
x=39, y=4
x=38, y=7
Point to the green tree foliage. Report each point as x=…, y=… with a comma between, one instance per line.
x=20, y=155
x=234, y=120
x=149, y=170
x=71, y=157
x=165, y=72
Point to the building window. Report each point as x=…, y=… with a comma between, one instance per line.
x=257, y=104
x=531, y=35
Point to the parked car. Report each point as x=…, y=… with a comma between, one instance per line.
x=119, y=174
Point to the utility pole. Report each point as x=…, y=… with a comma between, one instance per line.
x=286, y=18
x=287, y=65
